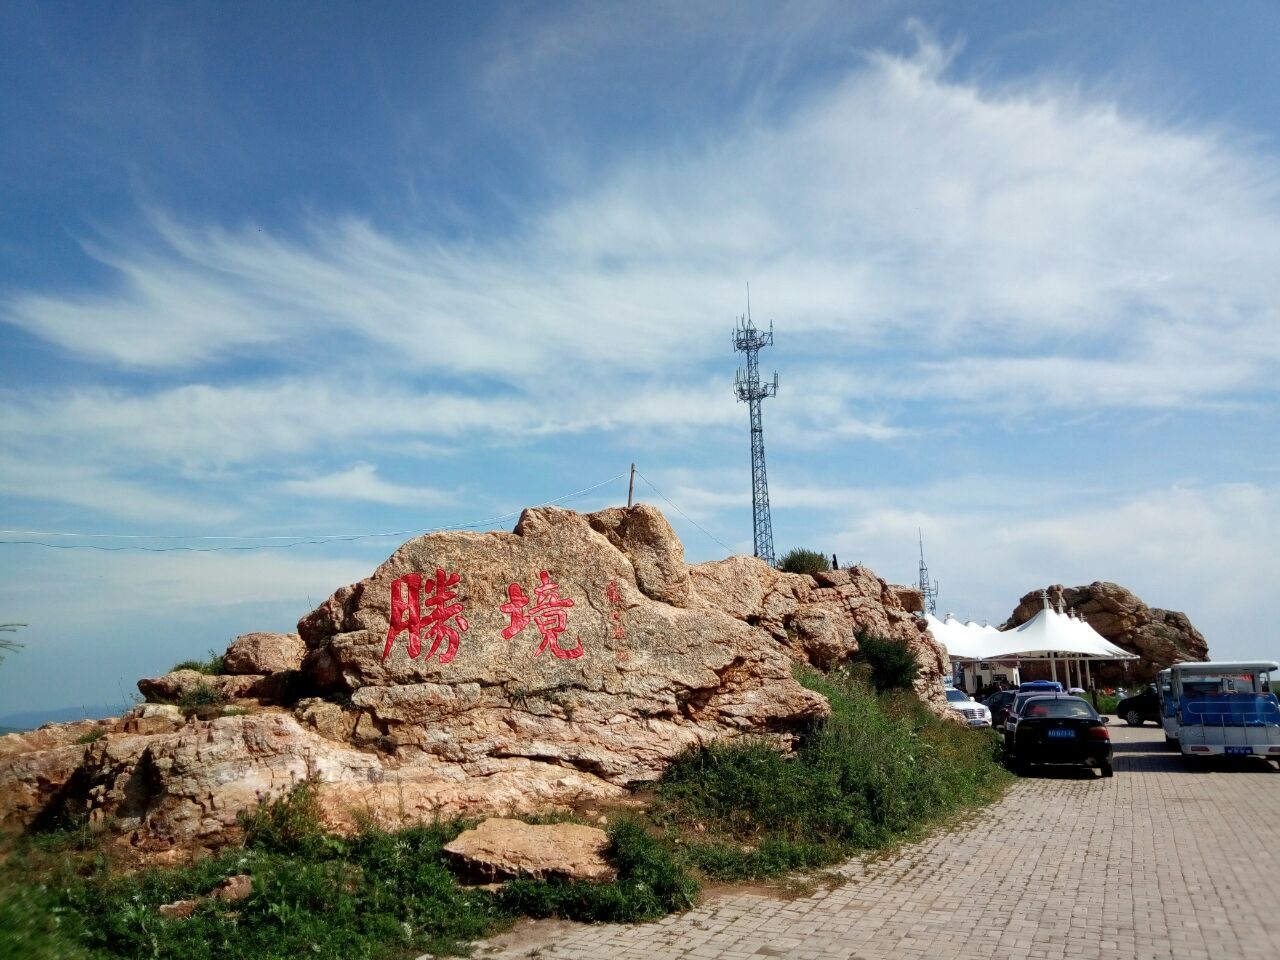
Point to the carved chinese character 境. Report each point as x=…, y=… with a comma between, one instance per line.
x=549, y=614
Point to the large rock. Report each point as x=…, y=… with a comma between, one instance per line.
x=264, y=653
x=503, y=849
x=1158, y=637
x=476, y=649
x=474, y=674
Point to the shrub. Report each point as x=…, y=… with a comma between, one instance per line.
x=96, y=734
x=893, y=665
x=289, y=823
x=801, y=560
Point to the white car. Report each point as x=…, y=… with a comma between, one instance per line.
x=975, y=714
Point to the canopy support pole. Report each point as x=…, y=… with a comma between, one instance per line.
x=1053, y=668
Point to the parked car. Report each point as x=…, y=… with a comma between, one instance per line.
x=998, y=703
x=1061, y=729
x=975, y=713
x=1020, y=700
x=1140, y=707
x=1041, y=686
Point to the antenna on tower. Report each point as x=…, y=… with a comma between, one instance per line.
x=749, y=340
x=928, y=589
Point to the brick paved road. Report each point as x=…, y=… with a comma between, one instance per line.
x=1157, y=862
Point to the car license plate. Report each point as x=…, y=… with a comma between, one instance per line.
x=1237, y=751
x=1064, y=734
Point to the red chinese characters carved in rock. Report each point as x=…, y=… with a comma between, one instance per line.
x=514, y=608
x=548, y=614
x=614, y=597
x=442, y=621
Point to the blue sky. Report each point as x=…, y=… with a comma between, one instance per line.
x=280, y=270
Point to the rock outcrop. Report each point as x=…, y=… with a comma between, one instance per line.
x=1159, y=637
x=554, y=666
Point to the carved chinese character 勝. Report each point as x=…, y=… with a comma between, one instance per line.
x=443, y=621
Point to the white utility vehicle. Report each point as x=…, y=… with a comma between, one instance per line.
x=1227, y=707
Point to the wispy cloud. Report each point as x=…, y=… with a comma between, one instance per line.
x=1021, y=247
x=360, y=481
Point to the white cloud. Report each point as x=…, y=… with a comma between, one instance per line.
x=1017, y=247
x=360, y=481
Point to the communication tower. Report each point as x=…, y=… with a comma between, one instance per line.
x=751, y=391
x=928, y=588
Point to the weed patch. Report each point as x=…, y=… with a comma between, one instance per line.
x=873, y=772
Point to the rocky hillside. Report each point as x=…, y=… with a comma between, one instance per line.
x=1159, y=637
x=471, y=673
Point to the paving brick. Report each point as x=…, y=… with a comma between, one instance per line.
x=1155, y=863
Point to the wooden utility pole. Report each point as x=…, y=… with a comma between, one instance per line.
x=631, y=487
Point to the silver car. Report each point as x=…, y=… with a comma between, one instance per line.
x=975, y=714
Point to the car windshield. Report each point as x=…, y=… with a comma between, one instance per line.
x=1059, y=708
x=957, y=696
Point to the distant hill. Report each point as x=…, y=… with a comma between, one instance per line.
x=30, y=719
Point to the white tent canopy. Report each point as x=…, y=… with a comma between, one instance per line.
x=1048, y=635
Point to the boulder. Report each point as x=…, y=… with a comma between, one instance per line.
x=501, y=849
x=264, y=653
x=540, y=644
x=1159, y=637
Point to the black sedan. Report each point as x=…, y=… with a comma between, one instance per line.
x=1061, y=730
x=1140, y=707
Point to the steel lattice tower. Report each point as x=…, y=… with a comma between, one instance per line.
x=928, y=589
x=750, y=390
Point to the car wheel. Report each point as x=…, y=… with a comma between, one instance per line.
x=1171, y=742
x=1133, y=718
x=1106, y=770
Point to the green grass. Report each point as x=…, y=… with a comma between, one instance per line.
x=373, y=896
x=215, y=665
x=92, y=735
x=877, y=771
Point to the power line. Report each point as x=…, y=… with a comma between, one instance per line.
x=298, y=540
x=683, y=514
